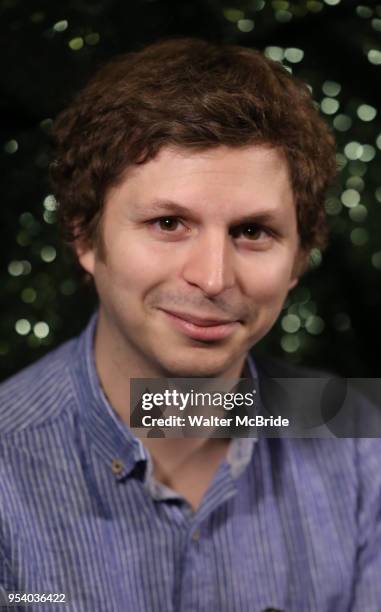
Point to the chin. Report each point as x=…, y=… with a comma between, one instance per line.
x=194, y=373
x=195, y=367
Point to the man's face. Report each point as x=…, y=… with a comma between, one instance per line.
x=200, y=250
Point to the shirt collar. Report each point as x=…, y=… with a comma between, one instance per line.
x=111, y=437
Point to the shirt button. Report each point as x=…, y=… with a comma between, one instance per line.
x=196, y=535
x=117, y=466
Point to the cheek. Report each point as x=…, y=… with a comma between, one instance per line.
x=133, y=267
x=268, y=281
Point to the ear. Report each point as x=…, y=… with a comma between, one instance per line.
x=293, y=282
x=86, y=256
x=300, y=266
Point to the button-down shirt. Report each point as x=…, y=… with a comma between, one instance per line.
x=287, y=524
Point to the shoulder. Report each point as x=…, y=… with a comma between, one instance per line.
x=37, y=394
x=338, y=398
x=329, y=410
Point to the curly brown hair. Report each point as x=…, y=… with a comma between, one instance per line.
x=194, y=94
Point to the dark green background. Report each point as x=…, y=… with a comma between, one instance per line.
x=50, y=49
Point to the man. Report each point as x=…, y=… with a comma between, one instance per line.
x=190, y=179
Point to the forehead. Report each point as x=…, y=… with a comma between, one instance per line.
x=215, y=180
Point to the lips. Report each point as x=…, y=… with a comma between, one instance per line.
x=201, y=328
x=203, y=322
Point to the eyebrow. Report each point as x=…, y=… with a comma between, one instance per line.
x=157, y=206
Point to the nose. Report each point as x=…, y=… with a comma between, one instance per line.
x=209, y=263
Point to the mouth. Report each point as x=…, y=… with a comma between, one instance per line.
x=201, y=328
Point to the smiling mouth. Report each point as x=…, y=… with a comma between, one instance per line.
x=201, y=329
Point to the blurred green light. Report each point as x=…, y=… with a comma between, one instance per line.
x=26, y=267
x=245, y=25
x=341, y=161
x=292, y=309
x=49, y=216
x=46, y=125
x=26, y=219
x=377, y=194
x=22, y=238
x=374, y=56
x=33, y=342
x=93, y=38
x=368, y=153
x=332, y=2
x=76, y=43
x=50, y=203
x=366, y=112
x=23, y=327
x=358, y=213
x=353, y=150
x=359, y=236
x=11, y=146
x=68, y=287
x=299, y=10
x=376, y=260
x=283, y=16
x=15, y=268
x=314, y=6
x=331, y=88
x=342, y=123
x=315, y=258
x=306, y=310
x=293, y=55
x=333, y=206
x=329, y=106
x=364, y=11
x=376, y=24
x=41, y=329
x=350, y=198
x=275, y=53
x=48, y=254
x=355, y=182
x=280, y=5
x=233, y=15
x=357, y=168
x=378, y=141
x=61, y=26
x=314, y=325
x=302, y=295
x=290, y=343
x=290, y=323
x=28, y=295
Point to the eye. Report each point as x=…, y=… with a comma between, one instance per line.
x=251, y=231
x=166, y=224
